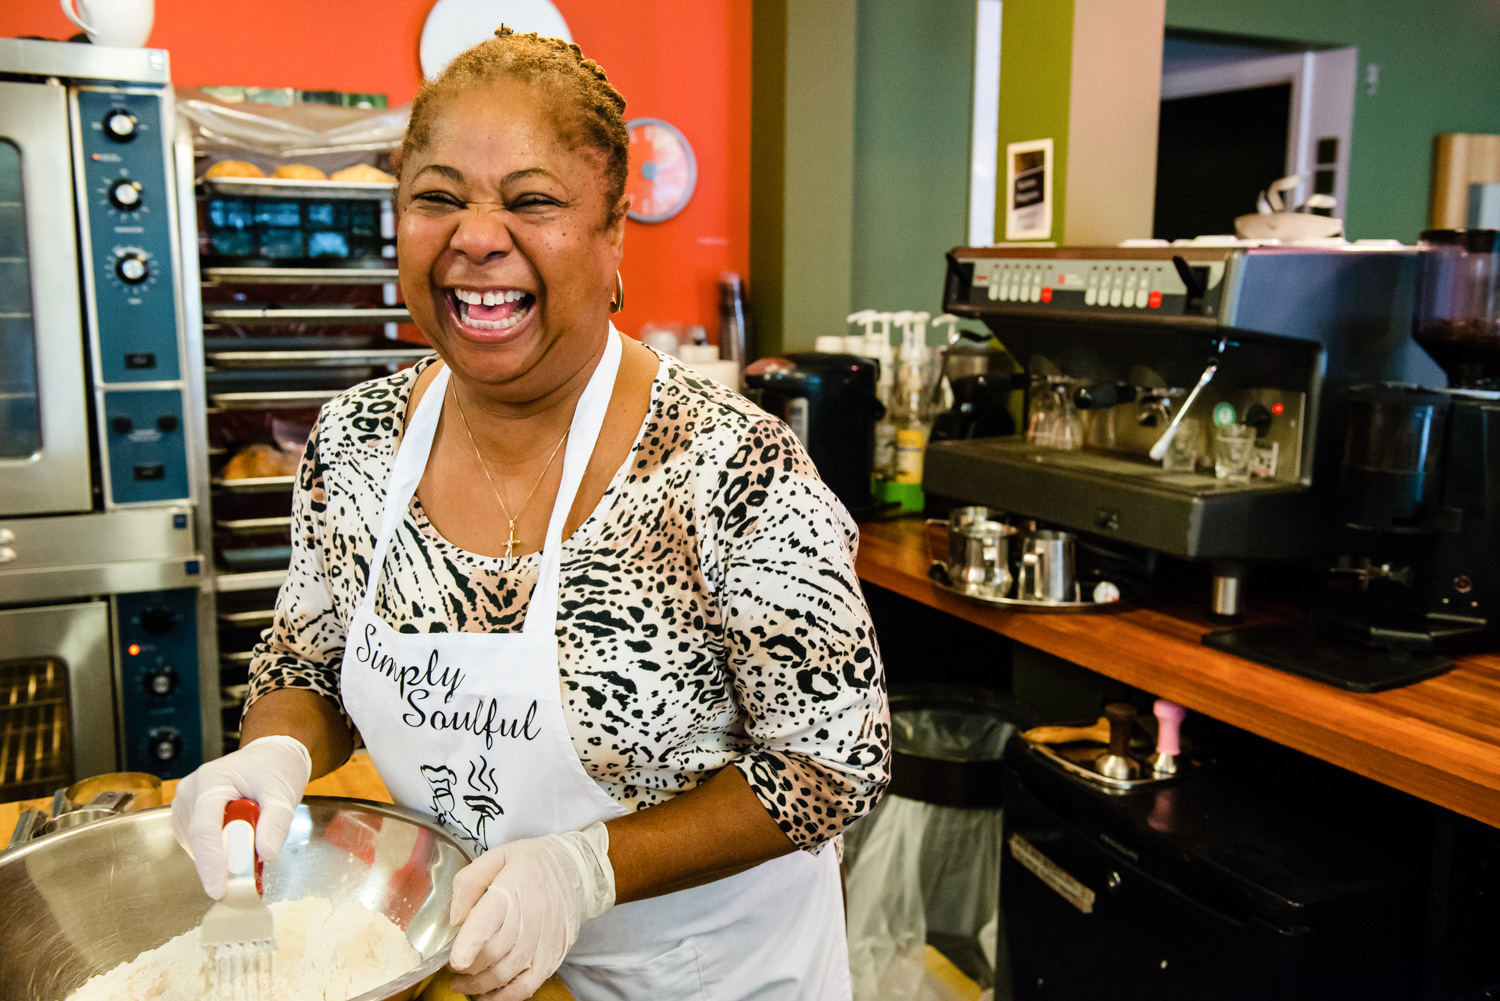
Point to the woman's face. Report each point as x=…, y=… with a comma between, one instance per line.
x=506, y=255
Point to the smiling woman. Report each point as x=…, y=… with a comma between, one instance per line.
x=565, y=539
x=508, y=250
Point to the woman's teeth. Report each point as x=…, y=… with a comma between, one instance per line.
x=492, y=310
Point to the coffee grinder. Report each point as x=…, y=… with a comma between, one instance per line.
x=1419, y=497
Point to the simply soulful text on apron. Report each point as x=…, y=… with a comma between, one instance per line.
x=418, y=684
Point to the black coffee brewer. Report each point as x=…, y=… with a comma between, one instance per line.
x=829, y=402
x=1419, y=497
x=983, y=381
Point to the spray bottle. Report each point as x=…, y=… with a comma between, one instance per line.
x=942, y=393
x=859, y=344
x=877, y=345
x=912, y=411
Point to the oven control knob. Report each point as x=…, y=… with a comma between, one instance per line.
x=161, y=681
x=158, y=619
x=125, y=195
x=164, y=744
x=132, y=268
x=120, y=125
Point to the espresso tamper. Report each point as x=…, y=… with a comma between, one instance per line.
x=1116, y=763
x=1168, y=738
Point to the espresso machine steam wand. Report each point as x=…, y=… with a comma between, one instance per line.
x=1228, y=575
x=1159, y=450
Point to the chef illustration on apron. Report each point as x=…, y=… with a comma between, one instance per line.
x=469, y=728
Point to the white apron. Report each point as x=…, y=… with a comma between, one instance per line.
x=469, y=728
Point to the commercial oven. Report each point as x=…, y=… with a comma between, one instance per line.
x=102, y=466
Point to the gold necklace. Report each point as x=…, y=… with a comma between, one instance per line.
x=510, y=542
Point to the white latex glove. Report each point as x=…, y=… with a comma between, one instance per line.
x=520, y=906
x=273, y=771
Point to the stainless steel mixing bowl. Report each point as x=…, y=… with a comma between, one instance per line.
x=83, y=901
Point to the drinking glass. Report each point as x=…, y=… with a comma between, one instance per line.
x=1054, y=418
x=1232, y=445
x=1182, y=450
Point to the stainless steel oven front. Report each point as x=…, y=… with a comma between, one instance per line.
x=104, y=637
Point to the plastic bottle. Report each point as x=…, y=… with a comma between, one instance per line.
x=865, y=318
x=951, y=322
x=911, y=413
x=942, y=398
x=877, y=345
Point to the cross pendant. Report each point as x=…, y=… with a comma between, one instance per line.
x=510, y=543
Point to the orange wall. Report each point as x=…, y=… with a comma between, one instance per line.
x=686, y=61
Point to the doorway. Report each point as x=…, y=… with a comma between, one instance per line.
x=1238, y=113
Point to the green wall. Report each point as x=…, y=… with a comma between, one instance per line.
x=801, y=171
x=1439, y=71
x=1036, y=40
x=913, y=98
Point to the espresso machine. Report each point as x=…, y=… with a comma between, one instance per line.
x=1419, y=497
x=1152, y=340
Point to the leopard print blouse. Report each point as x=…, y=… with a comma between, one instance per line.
x=709, y=612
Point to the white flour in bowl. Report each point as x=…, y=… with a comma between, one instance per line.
x=323, y=953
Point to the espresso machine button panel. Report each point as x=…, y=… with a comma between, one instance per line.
x=1111, y=286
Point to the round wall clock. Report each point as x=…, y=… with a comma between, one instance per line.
x=663, y=170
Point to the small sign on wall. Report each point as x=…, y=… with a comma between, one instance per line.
x=1028, y=188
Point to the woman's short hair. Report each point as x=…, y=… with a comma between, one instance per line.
x=594, y=109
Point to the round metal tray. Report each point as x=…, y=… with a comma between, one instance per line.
x=1130, y=594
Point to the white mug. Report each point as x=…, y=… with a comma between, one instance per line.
x=123, y=23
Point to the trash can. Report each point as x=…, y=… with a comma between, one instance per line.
x=924, y=866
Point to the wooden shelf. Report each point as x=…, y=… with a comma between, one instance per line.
x=1438, y=739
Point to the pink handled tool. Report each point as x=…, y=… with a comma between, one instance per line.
x=1169, y=716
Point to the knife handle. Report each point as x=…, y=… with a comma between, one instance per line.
x=247, y=811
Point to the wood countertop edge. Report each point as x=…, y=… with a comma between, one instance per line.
x=1408, y=738
x=354, y=779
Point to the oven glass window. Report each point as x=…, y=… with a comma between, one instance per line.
x=36, y=745
x=20, y=406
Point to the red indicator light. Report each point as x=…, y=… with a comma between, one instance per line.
x=1278, y=409
x=1046, y=294
x=133, y=649
x=1154, y=300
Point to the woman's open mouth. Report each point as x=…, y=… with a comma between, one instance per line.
x=491, y=310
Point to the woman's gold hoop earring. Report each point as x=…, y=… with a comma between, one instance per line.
x=618, y=302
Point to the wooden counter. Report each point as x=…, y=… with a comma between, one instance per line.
x=1437, y=739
